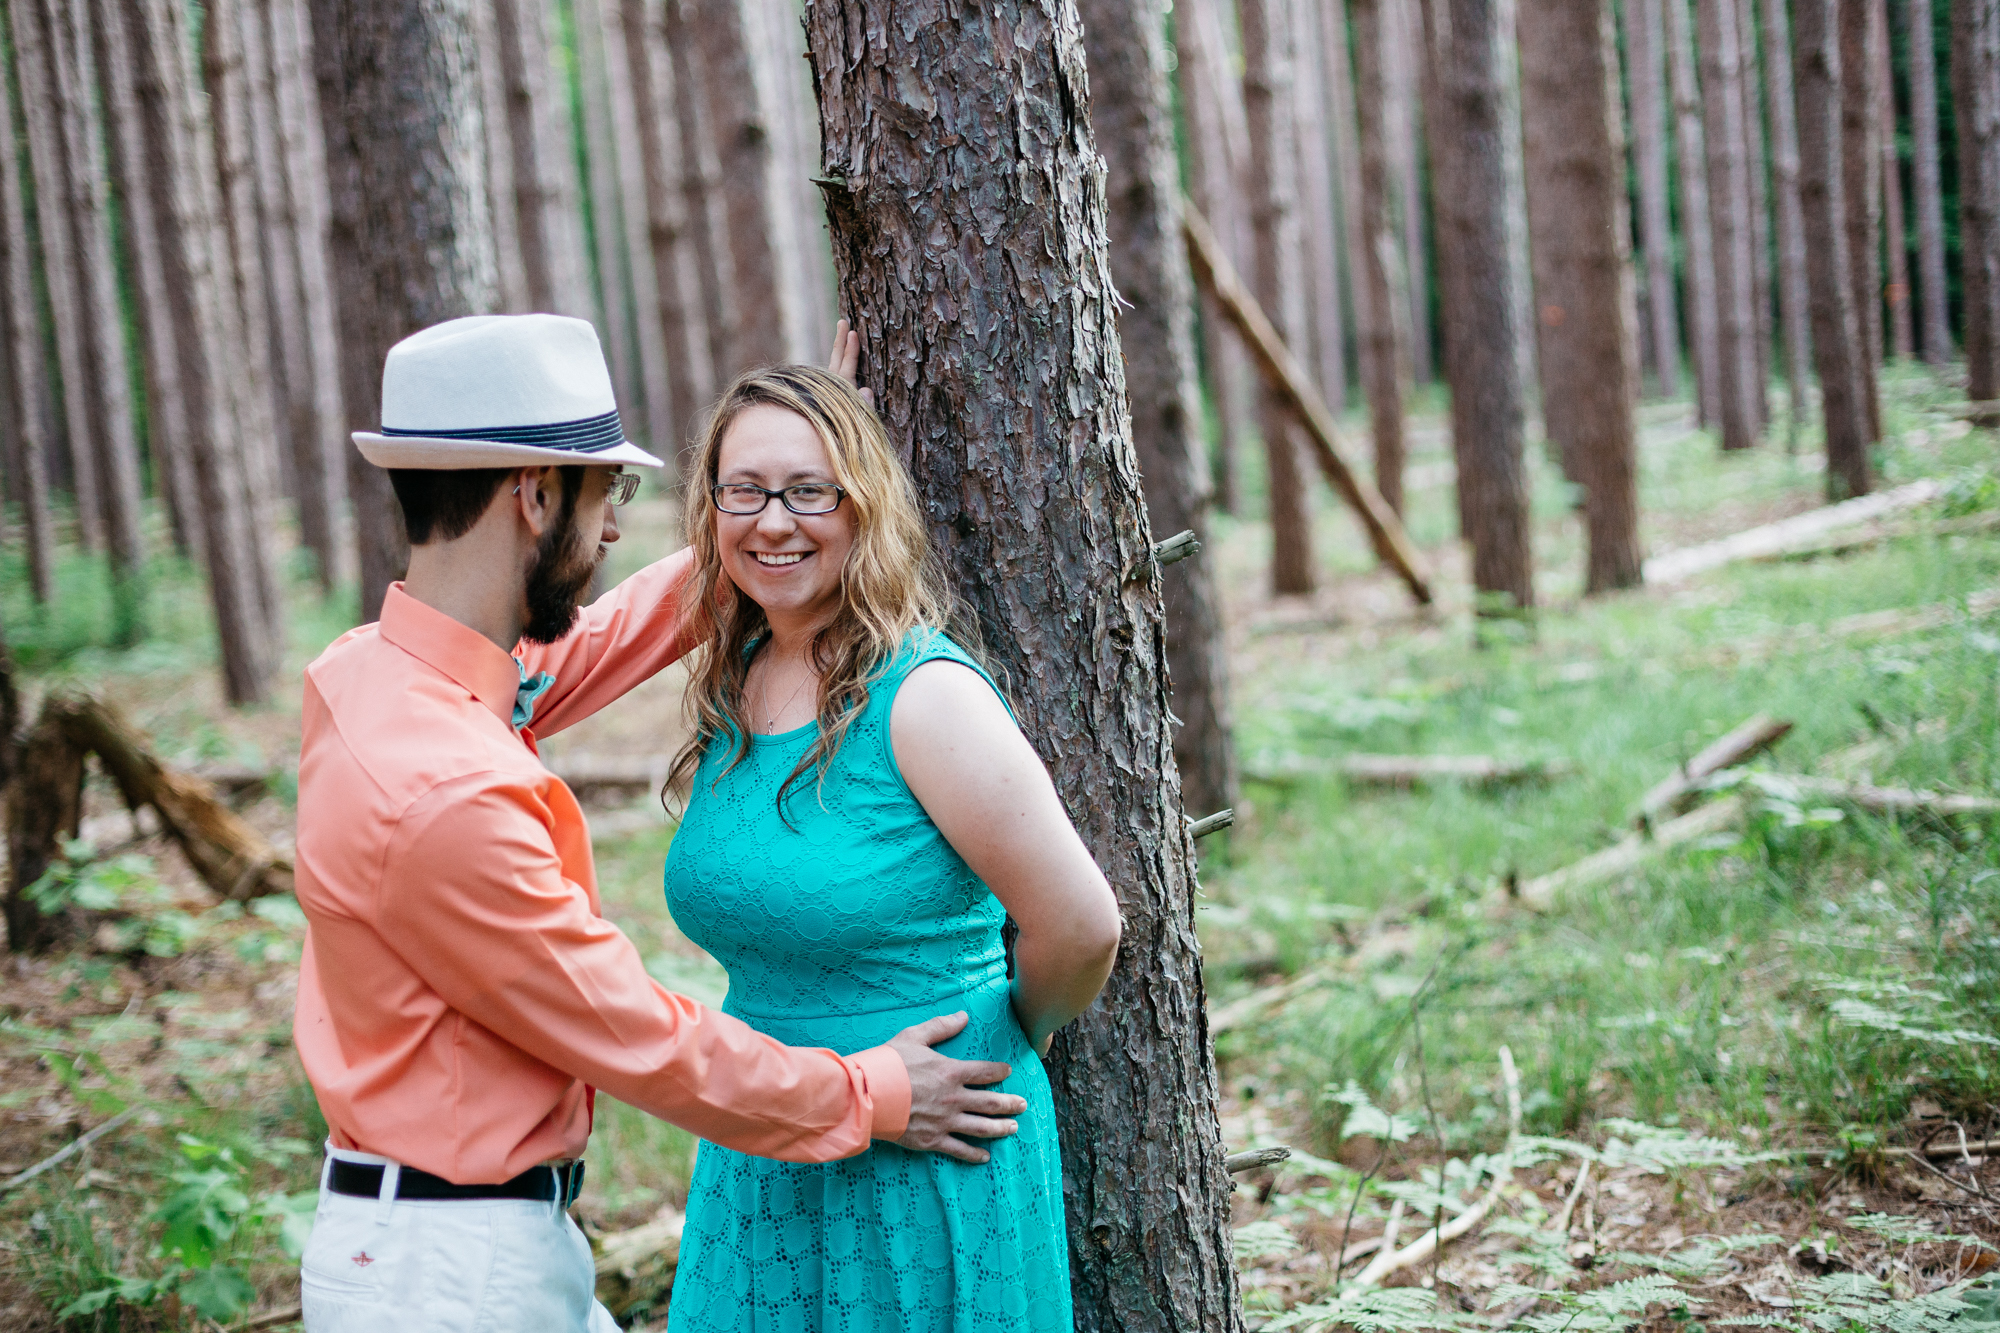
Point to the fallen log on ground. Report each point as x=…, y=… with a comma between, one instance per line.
x=1415, y=770
x=1891, y=800
x=636, y=1267
x=1978, y=413
x=1748, y=738
x=1843, y=543
x=1629, y=853
x=1800, y=529
x=1218, y=277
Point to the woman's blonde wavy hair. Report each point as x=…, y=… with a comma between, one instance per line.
x=891, y=584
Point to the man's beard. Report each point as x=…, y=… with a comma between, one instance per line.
x=557, y=581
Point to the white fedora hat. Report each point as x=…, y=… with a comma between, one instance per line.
x=499, y=391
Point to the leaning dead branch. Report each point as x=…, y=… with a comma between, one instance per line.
x=1677, y=791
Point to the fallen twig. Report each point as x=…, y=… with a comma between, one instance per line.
x=75, y=1146
x=1750, y=737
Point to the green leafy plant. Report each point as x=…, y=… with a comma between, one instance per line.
x=1857, y=1303
x=81, y=880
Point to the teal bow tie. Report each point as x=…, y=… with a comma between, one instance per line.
x=530, y=691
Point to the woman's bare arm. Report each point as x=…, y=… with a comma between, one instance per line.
x=982, y=784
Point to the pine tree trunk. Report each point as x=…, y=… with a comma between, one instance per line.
x=502, y=195
x=1861, y=171
x=1755, y=150
x=1520, y=281
x=607, y=210
x=1975, y=87
x=302, y=155
x=1902, y=331
x=1217, y=144
x=1934, y=306
x=1404, y=52
x=1649, y=160
x=245, y=321
x=1836, y=339
x=1382, y=307
x=1319, y=210
x=26, y=374
x=649, y=339
x=1462, y=114
x=1699, y=299
x=541, y=167
x=405, y=146
x=1793, y=300
x=701, y=191
x=1279, y=280
x=195, y=281
x=1577, y=217
x=927, y=128
x=779, y=43
x=1339, y=110
x=1131, y=117
x=1729, y=221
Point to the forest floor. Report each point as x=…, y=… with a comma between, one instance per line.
x=1717, y=1056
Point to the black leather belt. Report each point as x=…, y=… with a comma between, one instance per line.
x=543, y=1183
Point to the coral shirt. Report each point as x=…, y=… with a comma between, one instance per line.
x=459, y=988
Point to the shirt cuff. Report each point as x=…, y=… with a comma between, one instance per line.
x=888, y=1083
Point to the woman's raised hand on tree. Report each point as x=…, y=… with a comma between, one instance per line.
x=846, y=357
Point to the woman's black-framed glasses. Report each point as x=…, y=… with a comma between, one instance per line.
x=811, y=497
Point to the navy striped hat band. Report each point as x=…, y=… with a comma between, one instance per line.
x=588, y=436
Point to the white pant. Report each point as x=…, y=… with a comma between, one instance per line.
x=445, y=1266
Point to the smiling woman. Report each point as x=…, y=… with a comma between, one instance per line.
x=862, y=813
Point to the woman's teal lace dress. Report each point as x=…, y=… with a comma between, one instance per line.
x=840, y=929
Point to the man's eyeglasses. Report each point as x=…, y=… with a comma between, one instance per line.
x=812, y=497
x=624, y=485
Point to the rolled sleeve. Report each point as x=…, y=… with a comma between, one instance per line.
x=474, y=900
x=623, y=639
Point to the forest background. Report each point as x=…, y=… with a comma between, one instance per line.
x=1561, y=598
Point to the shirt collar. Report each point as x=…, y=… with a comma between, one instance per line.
x=454, y=650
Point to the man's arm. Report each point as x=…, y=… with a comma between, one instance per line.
x=622, y=639
x=473, y=898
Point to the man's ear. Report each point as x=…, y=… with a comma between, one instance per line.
x=536, y=497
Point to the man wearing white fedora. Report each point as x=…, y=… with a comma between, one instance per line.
x=461, y=998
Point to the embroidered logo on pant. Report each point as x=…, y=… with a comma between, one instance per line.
x=363, y=1259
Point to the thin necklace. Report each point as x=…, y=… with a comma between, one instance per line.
x=771, y=714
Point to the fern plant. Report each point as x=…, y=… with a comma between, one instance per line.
x=1857, y=1303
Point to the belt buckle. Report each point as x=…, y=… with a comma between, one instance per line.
x=569, y=1181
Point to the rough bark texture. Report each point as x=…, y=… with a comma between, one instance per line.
x=1861, y=181
x=635, y=237
x=44, y=810
x=1975, y=86
x=1381, y=309
x=502, y=201
x=539, y=134
x=1212, y=101
x=194, y=281
x=1649, y=162
x=1588, y=323
x=1755, y=155
x=413, y=234
x=26, y=373
x=1132, y=120
x=1319, y=209
x=1934, y=310
x=607, y=211
x=1729, y=223
x=676, y=260
x=319, y=421
x=974, y=185
x=1339, y=104
x=1837, y=355
x=1791, y=237
x=1698, y=301
x=1277, y=269
x=1902, y=331
x=1404, y=53
x=1462, y=116
x=701, y=189
x=1520, y=283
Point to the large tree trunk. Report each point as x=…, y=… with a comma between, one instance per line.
x=1217, y=145
x=502, y=198
x=1649, y=161
x=1792, y=297
x=1975, y=87
x=1381, y=309
x=1861, y=182
x=312, y=465
x=1131, y=117
x=607, y=207
x=26, y=375
x=1462, y=113
x=1279, y=281
x=1575, y=154
x=303, y=157
x=962, y=167
x=1339, y=110
x=1934, y=306
x=195, y=282
x=542, y=169
x=1729, y=221
x=1520, y=281
x=1319, y=209
x=245, y=322
x=1699, y=273
x=1902, y=332
x=780, y=45
x=1837, y=354
x=399, y=95
x=1404, y=55
x=649, y=337
x=1754, y=156
x=701, y=190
